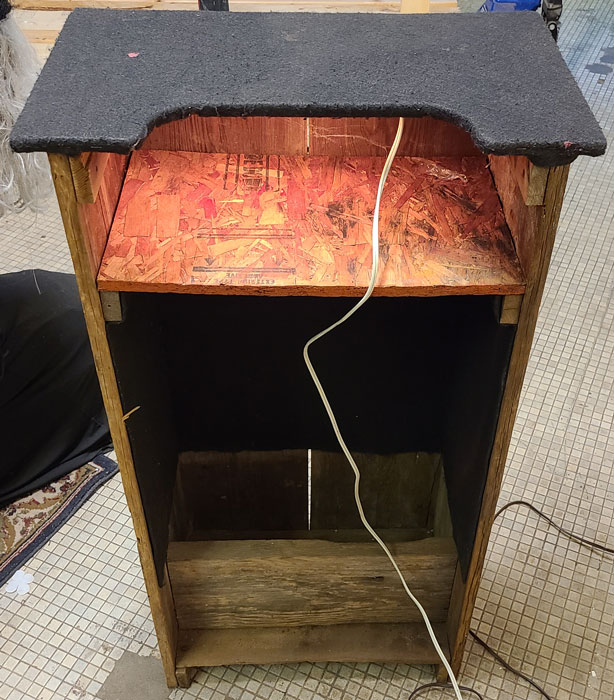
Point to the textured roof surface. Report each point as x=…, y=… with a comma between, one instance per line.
x=500, y=76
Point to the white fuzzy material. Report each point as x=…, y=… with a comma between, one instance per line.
x=25, y=180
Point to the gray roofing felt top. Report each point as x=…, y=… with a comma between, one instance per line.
x=113, y=75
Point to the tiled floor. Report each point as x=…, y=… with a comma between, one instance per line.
x=545, y=603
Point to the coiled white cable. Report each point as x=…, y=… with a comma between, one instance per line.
x=333, y=420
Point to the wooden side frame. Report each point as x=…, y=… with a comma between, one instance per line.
x=535, y=240
x=531, y=198
x=75, y=221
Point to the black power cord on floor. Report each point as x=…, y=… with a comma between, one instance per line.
x=442, y=686
x=569, y=534
x=562, y=530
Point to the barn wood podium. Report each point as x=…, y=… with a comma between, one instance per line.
x=217, y=200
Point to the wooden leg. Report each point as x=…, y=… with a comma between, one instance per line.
x=185, y=676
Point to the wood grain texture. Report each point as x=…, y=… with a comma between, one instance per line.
x=292, y=583
x=414, y=6
x=370, y=643
x=439, y=516
x=226, y=224
x=185, y=676
x=243, y=491
x=510, y=310
x=96, y=217
x=138, y=349
x=396, y=534
x=423, y=137
x=263, y=135
x=530, y=178
x=392, y=6
x=88, y=172
x=464, y=593
x=78, y=237
x=522, y=220
x=396, y=490
x=111, y=306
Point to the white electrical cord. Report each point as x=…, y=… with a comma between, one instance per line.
x=333, y=420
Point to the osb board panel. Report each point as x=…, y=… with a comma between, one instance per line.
x=276, y=583
x=283, y=225
x=354, y=136
x=263, y=135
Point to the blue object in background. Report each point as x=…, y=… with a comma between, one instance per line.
x=510, y=5
x=551, y=10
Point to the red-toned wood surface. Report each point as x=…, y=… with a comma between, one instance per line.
x=96, y=218
x=290, y=225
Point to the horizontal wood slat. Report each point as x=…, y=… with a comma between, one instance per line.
x=237, y=5
x=396, y=534
x=291, y=583
x=376, y=643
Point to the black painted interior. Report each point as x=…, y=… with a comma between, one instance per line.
x=226, y=373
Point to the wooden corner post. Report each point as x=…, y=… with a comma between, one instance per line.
x=533, y=229
x=80, y=221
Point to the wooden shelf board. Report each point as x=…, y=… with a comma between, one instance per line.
x=377, y=643
x=293, y=225
x=294, y=583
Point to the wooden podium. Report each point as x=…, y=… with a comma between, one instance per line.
x=216, y=175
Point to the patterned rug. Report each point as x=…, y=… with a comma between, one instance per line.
x=28, y=523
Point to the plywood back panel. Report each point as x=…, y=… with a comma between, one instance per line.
x=355, y=136
x=262, y=135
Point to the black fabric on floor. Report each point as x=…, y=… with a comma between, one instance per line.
x=52, y=418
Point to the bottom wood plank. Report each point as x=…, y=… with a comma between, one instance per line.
x=378, y=643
